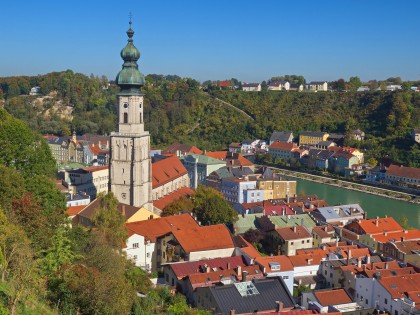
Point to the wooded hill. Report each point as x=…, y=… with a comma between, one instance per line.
x=177, y=110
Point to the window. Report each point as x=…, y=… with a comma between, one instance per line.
x=135, y=245
x=135, y=257
x=125, y=118
x=285, y=277
x=291, y=243
x=386, y=301
x=303, y=242
x=148, y=255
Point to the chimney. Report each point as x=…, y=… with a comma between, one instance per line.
x=368, y=259
x=287, y=198
x=279, y=306
x=324, y=247
x=348, y=257
x=232, y=312
x=310, y=261
x=386, y=265
x=123, y=210
x=377, y=222
x=336, y=241
x=239, y=270
x=244, y=273
x=228, y=266
x=402, y=239
x=325, y=228
x=359, y=262
x=301, y=221
x=207, y=268
x=294, y=229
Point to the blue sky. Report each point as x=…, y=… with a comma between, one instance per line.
x=219, y=39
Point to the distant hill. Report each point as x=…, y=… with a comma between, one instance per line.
x=177, y=110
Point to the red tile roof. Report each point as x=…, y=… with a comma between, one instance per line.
x=225, y=83
x=88, y=211
x=397, y=286
x=207, y=279
x=175, y=195
x=277, y=210
x=183, y=148
x=184, y=269
x=390, y=272
x=375, y=226
x=95, y=149
x=71, y=211
x=293, y=233
x=397, y=236
x=283, y=261
x=246, y=247
x=152, y=229
x=332, y=297
x=371, y=266
x=408, y=246
x=286, y=146
x=403, y=171
x=236, y=159
x=327, y=250
x=167, y=170
x=307, y=260
x=323, y=231
x=204, y=238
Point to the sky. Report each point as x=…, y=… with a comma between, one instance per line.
x=215, y=40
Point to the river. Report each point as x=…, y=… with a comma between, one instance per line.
x=374, y=205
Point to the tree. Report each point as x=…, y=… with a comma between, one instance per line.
x=355, y=82
x=12, y=186
x=59, y=253
x=181, y=204
x=211, y=207
x=372, y=162
x=22, y=149
x=109, y=221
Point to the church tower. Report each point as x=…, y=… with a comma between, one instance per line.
x=130, y=175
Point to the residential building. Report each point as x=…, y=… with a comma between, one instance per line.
x=251, y=87
x=378, y=241
x=199, y=167
x=402, y=176
x=336, y=138
x=416, y=135
x=277, y=266
x=214, y=180
x=338, y=215
x=279, y=85
x=322, y=234
x=305, y=269
x=276, y=187
x=67, y=149
x=358, y=135
x=342, y=160
x=231, y=159
x=77, y=199
x=281, y=136
x=393, y=87
x=312, y=137
x=405, y=251
x=282, y=150
x=316, y=86
x=396, y=295
x=363, y=89
x=168, y=175
x=296, y=87
x=181, y=149
x=143, y=245
x=245, y=297
x=36, y=90
x=90, y=180
x=289, y=239
x=233, y=189
x=337, y=300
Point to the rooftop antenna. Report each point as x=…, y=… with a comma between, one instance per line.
x=130, y=15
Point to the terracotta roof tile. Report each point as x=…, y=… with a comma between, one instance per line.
x=152, y=229
x=184, y=269
x=286, y=146
x=397, y=236
x=183, y=148
x=390, y=272
x=375, y=226
x=246, y=247
x=307, y=260
x=175, y=195
x=408, y=246
x=398, y=285
x=88, y=210
x=371, y=266
x=333, y=297
x=283, y=261
x=95, y=149
x=231, y=159
x=293, y=233
x=204, y=238
x=71, y=211
x=323, y=231
x=403, y=171
x=167, y=170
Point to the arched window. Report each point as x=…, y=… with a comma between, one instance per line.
x=125, y=118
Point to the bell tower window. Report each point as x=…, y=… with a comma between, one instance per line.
x=125, y=118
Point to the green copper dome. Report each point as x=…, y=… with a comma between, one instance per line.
x=130, y=79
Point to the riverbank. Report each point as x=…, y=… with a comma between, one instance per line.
x=392, y=194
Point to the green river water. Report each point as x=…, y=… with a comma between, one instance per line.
x=374, y=205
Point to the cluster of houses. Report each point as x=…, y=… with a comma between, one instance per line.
x=313, y=86
x=350, y=264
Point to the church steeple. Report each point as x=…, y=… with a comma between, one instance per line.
x=130, y=79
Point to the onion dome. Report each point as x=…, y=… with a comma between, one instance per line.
x=130, y=79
